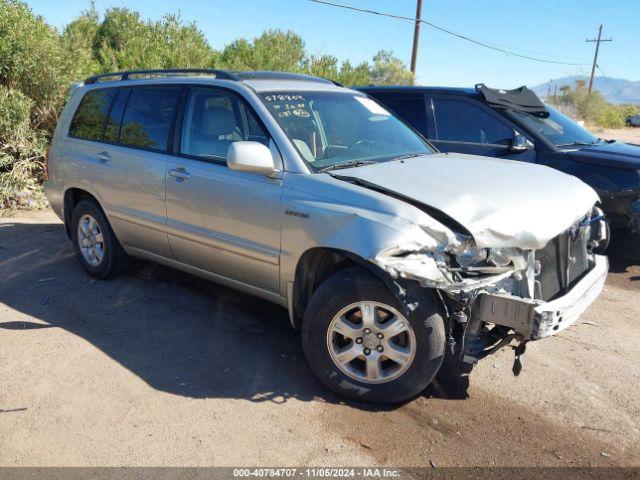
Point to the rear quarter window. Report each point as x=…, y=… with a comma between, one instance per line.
x=89, y=120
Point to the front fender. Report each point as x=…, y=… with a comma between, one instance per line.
x=349, y=218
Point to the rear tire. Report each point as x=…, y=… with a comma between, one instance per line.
x=94, y=242
x=335, y=329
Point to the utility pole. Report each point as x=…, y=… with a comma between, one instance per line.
x=416, y=36
x=595, y=57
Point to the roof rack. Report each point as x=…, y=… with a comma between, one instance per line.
x=220, y=74
x=271, y=75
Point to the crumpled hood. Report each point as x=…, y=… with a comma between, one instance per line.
x=616, y=155
x=502, y=203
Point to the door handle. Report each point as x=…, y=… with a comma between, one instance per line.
x=179, y=173
x=104, y=156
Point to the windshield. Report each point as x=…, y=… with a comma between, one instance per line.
x=557, y=128
x=335, y=129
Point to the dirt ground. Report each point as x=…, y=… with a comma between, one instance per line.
x=629, y=134
x=159, y=368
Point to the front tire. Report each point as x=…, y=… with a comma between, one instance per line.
x=94, y=242
x=361, y=345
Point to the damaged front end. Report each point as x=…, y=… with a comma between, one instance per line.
x=497, y=296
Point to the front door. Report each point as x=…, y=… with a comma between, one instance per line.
x=219, y=220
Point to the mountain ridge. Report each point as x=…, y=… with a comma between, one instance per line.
x=613, y=90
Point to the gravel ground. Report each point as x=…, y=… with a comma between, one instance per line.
x=159, y=368
x=627, y=134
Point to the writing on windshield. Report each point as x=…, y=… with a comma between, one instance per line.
x=334, y=128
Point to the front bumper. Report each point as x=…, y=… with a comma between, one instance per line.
x=535, y=319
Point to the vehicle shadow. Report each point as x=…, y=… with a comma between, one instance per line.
x=177, y=332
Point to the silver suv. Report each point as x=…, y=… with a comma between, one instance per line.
x=388, y=255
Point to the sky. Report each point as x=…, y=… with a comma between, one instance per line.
x=554, y=30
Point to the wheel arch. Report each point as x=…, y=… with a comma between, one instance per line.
x=317, y=264
x=73, y=196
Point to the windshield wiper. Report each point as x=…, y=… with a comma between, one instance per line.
x=576, y=144
x=350, y=163
x=409, y=155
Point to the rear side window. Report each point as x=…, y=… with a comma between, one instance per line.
x=460, y=121
x=89, y=121
x=112, y=128
x=148, y=116
x=411, y=108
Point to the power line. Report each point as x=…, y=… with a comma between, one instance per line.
x=502, y=48
x=608, y=79
x=447, y=31
x=599, y=67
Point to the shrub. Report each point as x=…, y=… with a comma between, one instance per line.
x=21, y=148
x=593, y=108
x=33, y=61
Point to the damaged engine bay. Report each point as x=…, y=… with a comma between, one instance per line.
x=491, y=294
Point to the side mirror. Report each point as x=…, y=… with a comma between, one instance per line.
x=251, y=157
x=519, y=143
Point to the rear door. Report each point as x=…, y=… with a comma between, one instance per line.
x=220, y=220
x=460, y=124
x=119, y=139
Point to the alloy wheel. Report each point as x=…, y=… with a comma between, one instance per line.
x=371, y=342
x=90, y=240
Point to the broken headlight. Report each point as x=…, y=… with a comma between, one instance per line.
x=495, y=257
x=501, y=257
x=471, y=256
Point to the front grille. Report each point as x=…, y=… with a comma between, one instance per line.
x=562, y=262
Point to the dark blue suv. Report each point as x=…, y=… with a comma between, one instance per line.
x=515, y=124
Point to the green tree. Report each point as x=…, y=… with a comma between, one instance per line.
x=325, y=66
x=124, y=41
x=328, y=66
x=389, y=70
x=358, y=75
x=273, y=50
x=33, y=60
x=77, y=40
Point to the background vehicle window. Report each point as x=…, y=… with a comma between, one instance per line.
x=558, y=128
x=464, y=122
x=148, y=117
x=213, y=120
x=89, y=120
x=411, y=109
